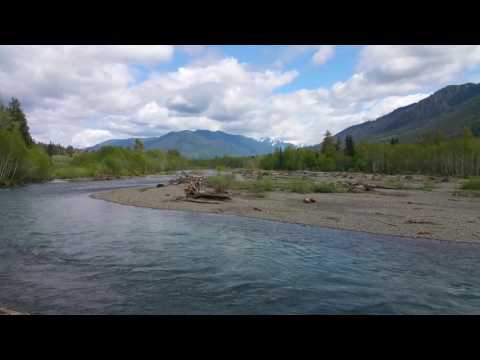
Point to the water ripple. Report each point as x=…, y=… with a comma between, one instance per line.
x=62, y=252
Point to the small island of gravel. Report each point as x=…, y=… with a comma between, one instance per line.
x=414, y=206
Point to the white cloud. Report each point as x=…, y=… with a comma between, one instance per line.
x=81, y=95
x=399, y=70
x=89, y=137
x=192, y=49
x=323, y=54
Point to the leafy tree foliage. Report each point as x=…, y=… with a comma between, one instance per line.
x=21, y=160
x=117, y=161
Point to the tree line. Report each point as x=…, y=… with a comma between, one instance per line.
x=112, y=161
x=57, y=149
x=21, y=160
x=435, y=155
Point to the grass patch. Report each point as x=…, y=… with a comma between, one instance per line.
x=261, y=186
x=428, y=186
x=299, y=186
x=309, y=186
x=472, y=183
x=397, y=184
x=220, y=183
x=328, y=188
x=255, y=186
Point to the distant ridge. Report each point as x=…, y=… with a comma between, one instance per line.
x=203, y=144
x=448, y=110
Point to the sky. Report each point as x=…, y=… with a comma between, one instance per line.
x=81, y=95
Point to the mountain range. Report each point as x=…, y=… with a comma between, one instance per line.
x=449, y=110
x=202, y=144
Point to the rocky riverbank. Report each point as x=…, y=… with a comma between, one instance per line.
x=411, y=205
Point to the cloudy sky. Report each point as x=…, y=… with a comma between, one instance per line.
x=82, y=95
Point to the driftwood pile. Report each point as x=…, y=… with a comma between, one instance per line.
x=195, y=188
x=362, y=187
x=194, y=185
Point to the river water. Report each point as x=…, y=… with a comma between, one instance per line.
x=62, y=252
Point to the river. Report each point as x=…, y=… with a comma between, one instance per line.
x=62, y=252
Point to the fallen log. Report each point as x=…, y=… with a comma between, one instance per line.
x=414, y=221
x=386, y=223
x=201, y=202
x=387, y=187
x=213, y=196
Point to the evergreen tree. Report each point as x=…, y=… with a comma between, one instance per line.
x=328, y=144
x=70, y=150
x=138, y=145
x=17, y=116
x=51, y=149
x=338, y=145
x=280, y=159
x=349, y=146
x=394, y=141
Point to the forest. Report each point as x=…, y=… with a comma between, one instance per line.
x=22, y=160
x=435, y=155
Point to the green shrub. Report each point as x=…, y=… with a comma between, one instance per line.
x=301, y=186
x=472, y=183
x=220, y=169
x=73, y=172
x=257, y=186
x=220, y=183
x=37, y=165
x=61, y=160
x=326, y=188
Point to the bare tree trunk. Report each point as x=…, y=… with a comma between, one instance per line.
x=15, y=169
x=3, y=169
